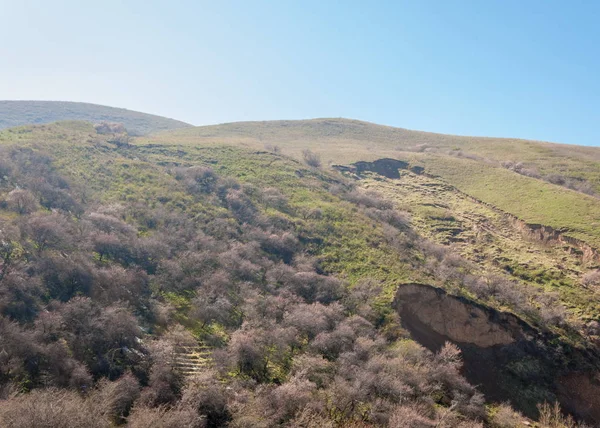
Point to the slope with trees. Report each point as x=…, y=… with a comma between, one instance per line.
x=116, y=259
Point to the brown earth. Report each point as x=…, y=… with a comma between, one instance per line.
x=505, y=357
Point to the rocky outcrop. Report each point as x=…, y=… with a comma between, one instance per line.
x=508, y=359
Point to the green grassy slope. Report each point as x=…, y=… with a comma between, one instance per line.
x=350, y=244
x=530, y=199
x=347, y=241
x=342, y=141
x=17, y=113
x=489, y=239
x=353, y=235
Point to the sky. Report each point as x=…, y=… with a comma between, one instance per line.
x=526, y=68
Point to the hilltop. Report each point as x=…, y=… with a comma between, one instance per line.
x=17, y=113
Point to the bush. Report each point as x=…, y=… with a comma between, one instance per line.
x=411, y=415
x=51, y=408
x=110, y=128
x=198, y=179
x=22, y=201
x=206, y=394
x=116, y=398
x=312, y=319
x=551, y=416
x=311, y=158
x=143, y=416
x=591, y=278
x=49, y=231
x=52, y=197
x=20, y=296
x=506, y=417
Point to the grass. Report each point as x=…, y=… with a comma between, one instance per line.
x=348, y=243
x=486, y=237
x=532, y=200
x=342, y=141
x=17, y=113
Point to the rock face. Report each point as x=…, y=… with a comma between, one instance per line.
x=505, y=357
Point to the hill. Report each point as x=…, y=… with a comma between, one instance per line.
x=17, y=113
x=541, y=183
x=185, y=280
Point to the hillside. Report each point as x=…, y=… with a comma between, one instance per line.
x=194, y=278
x=542, y=183
x=17, y=113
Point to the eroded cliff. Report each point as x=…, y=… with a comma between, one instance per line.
x=505, y=357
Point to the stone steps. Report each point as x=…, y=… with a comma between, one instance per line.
x=190, y=359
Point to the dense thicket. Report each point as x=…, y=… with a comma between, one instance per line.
x=99, y=300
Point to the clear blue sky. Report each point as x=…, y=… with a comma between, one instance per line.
x=523, y=68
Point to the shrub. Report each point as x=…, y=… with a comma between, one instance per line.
x=51, y=408
x=116, y=398
x=591, y=278
x=241, y=205
x=311, y=158
x=66, y=277
x=551, y=416
x=287, y=400
x=207, y=395
x=22, y=201
x=316, y=288
x=198, y=179
x=20, y=296
x=248, y=352
x=165, y=383
x=110, y=128
x=368, y=199
x=143, y=416
x=52, y=197
x=110, y=224
x=272, y=197
x=411, y=415
x=312, y=319
x=506, y=417
x=49, y=231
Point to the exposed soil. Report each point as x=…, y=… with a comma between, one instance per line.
x=505, y=357
x=385, y=167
